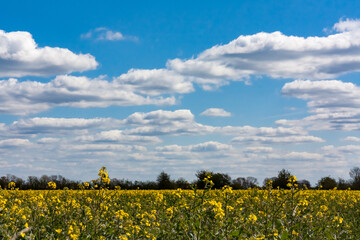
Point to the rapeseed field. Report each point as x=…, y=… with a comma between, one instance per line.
x=178, y=214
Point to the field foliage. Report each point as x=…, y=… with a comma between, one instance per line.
x=179, y=214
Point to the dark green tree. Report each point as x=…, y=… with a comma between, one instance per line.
x=342, y=184
x=219, y=179
x=281, y=180
x=327, y=183
x=164, y=181
x=182, y=183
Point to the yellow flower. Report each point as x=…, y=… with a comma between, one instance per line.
x=52, y=185
x=292, y=179
x=11, y=185
x=252, y=218
x=169, y=211
x=58, y=230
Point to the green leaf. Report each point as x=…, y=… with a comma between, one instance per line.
x=284, y=235
x=235, y=233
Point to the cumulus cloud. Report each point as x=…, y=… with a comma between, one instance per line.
x=146, y=128
x=182, y=122
x=58, y=125
x=342, y=152
x=21, y=56
x=14, y=142
x=347, y=25
x=333, y=104
x=351, y=139
x=211, y=146
x=48, y=140
x=260, y=131
x=297, y=156
x=160, y=122
x=259, y=149
x=118, y=136
x=105, y=34
x=278, y=56
x=27, y=97
x=154, y=82
x=215, y=112
x=111, y=148
x=273, y=54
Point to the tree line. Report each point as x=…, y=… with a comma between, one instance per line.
x=164, y=181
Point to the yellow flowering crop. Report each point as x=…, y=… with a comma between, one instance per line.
x=179, y=214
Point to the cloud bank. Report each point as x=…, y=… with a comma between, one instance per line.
x=278, y=56
x=28, y=97
x=333, y=104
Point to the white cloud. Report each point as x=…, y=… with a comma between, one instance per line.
x=333, y=104
x=118, y=136
x=349, y=149
x=154, y=82
x=59, y=125
x=272, y=54
x=170, y=148
x=211, y=146
x=182, y=122
x=20, y=56
x=297, y=156
x=348, y=153
x=179, y=122
x=48, y=140
x=145, y=128
x=274, y=140
x=276, y=55
x=259, y=149
x=260, y=131
x=69, y=91
x=14, y=142
x=113, y=148
x=159, y=117
x=215, y=112
x=347, y=25
x=352, y=139
x=105, y=34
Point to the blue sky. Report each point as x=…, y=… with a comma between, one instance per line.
x=241, y=87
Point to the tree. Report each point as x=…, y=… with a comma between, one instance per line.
x=244, y=183
x=251, y=182
x=164, y=182
x=219, y=179
x=201, y=175
x=281, y=180
x=355, y=178
x=304, y=184
x=342, y=184
x=327, y=183
x=182, y=183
